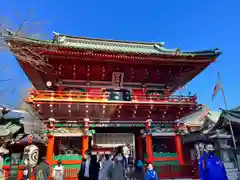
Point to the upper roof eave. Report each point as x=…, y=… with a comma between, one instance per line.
x=84, y=43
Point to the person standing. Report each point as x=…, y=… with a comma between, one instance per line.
x=84, y=172
x=58, y=171
x=210, y=166
x=106, y=168
x=118, y=172
x=151, y=174
x=138, y=170
x=94, y=168
x=42, y=170
x=27, y=171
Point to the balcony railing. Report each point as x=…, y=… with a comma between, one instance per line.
x=77, y=96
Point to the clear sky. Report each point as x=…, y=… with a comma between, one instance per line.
x=185, y=24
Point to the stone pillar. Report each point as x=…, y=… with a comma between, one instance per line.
x=223, y=144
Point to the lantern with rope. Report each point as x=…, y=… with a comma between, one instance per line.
x=51, y=125
x=86, y=126
x=148, y=126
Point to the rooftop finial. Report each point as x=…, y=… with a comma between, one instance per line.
x=56, y=34
x=9, y=32
x=57, y=38
x=162, y=44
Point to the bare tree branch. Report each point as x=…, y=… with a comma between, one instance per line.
x=25, y=54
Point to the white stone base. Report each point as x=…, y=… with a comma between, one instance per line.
x=233, y=174
x=229, y=165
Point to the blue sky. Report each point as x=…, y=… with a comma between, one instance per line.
x=185, y=24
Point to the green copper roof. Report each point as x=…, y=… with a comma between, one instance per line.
x=124, y=46
x=9, y=129
x=112, y=45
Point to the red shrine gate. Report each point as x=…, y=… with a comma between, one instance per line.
x=111, y=86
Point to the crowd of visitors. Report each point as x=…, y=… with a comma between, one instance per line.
x=120, y=167
x=117, y=167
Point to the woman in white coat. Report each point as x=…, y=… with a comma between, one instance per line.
x=58, y=172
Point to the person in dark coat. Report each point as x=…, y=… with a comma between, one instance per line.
x=139, y=170
x=89, y=168
x=138, y=173
x=84, y=172
x=94, y=168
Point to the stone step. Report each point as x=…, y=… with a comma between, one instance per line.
x=180, y=179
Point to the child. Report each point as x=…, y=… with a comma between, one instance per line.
x=151, y=174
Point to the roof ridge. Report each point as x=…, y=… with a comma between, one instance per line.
x=111, y=40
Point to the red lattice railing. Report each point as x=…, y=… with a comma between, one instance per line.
x=187, y=170
x=43, y=95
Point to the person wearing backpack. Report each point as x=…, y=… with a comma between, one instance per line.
x=139, y=170
x=210, y=166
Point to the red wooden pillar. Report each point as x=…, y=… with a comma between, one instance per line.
x=139, y=147
x=85, y=136
x=50, y=148
x=50, y=145
x=84, y=144
x=20, y=173
x=179, y=146
x=149, y=149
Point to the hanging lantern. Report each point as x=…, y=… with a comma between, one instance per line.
x=51, y=123
x=148, y=123
x=86, y=125
x=49, y=84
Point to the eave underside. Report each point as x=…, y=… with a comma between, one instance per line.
x=93, y=71
x=66, y=112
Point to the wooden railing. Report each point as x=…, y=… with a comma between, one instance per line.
x=77, y=96
x=70, y=174
x=187, y=170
